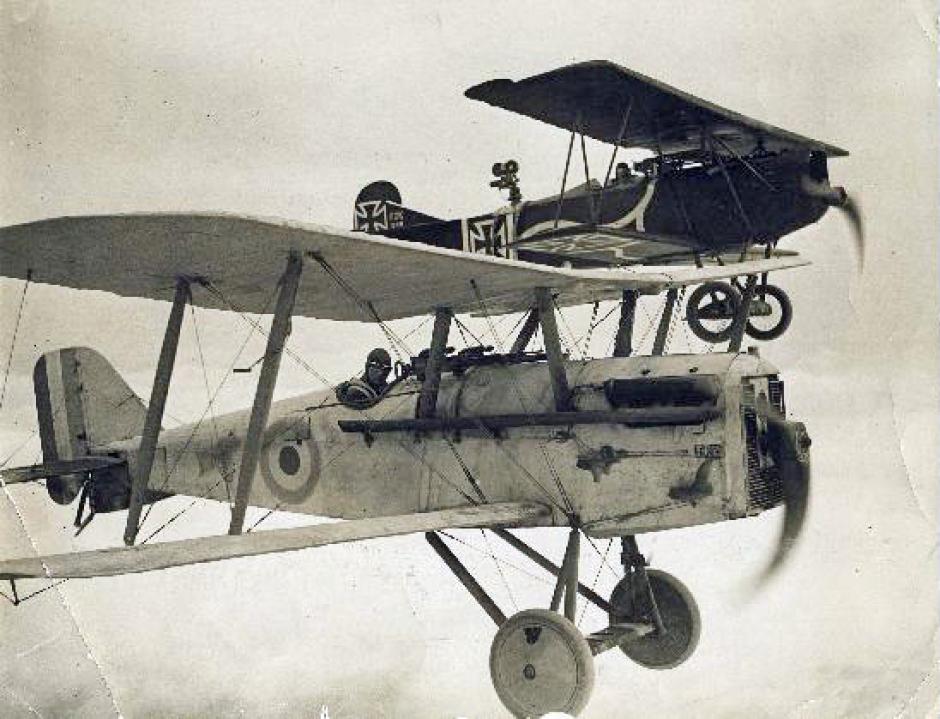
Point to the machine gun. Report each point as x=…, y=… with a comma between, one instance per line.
x=475, y=356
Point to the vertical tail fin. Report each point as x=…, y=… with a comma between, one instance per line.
x=378, y=210
x=81, y=402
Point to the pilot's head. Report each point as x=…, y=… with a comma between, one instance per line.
x=378, y=367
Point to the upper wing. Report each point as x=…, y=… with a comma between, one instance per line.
x=148, y=557
x=347, y=276
x=593, y=97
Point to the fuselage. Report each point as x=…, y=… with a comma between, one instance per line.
x=614, y=478
x=664, y=215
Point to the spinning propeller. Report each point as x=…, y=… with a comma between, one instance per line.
x=788, y=444
x=816, y=184
x=854, y=215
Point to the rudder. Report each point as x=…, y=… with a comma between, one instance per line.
x=81, y=403
x=378, y=210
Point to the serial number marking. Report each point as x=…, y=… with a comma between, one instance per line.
x=709, y=451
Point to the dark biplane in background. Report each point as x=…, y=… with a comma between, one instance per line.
x=718, y=187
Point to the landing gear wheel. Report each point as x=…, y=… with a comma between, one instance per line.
x=717, y=304
x=541, y=663
x=782, y=314
x=679, y=613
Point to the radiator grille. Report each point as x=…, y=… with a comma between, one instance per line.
x=764, y=488
x=775, y=393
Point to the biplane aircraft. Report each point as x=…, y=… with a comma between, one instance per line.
x=718, y=187
x=500, y=440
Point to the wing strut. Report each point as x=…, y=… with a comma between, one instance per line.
x=154, y=418
x=525, y=334
x=744, y=311
x=467, y=579
x=280, y=329
x=623, y=342
x=556, y=360
x=427, y=401
x=662, y=332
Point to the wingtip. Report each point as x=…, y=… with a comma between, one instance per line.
x=23, y=568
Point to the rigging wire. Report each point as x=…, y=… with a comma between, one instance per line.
x=192, y=435
x=486, y=315
x=468, y=330
x=569, y=508
x=499, y=569
x=183, y=511
x=564, y=179
x=417, y=327
x=754, y=171
x=590, y=330
x=16, y=329
x=9, y=458
x=597, y=574
x=466, y=470
x=598, y=323
x=205, y=379
x=267, y=514
x=564, y=320
x=343, y=284
x=16, y=600
x=602, y=556
x=522, y=317
x=650, y=323
x=674, y=319
x=506, y=562
x=260, y=330
x=394, y=340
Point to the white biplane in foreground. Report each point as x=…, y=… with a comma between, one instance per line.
x=632, y=444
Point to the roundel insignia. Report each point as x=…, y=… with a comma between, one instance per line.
x=290, y=469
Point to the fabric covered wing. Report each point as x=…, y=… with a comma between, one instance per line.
x=594, y=96
x=150, y=557
x=235, y=263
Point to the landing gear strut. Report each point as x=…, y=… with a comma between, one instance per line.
x=540, y=661
x=654, y=597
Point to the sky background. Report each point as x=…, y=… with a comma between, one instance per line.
x=287, y=109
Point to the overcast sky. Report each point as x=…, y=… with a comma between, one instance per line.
x=287, y=109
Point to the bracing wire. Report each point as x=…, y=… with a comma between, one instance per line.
x=597, y=576
x=16, y=329
x=569, y=508
x=507, y=563
x=499, y=569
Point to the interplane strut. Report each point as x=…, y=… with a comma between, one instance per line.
x=280, y=329
x=154, y=418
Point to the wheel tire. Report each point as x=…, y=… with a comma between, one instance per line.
x=680, y=615
x=540, y=663
x=786, y=315
x=693, y=309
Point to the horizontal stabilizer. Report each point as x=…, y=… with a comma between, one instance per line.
x=17, y=475
x=149, y=557
x=235, y=262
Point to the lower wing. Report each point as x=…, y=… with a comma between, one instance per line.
x=149, y=557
